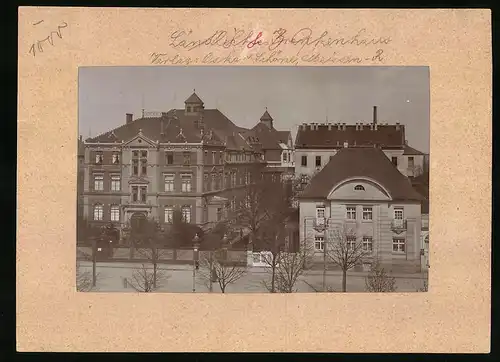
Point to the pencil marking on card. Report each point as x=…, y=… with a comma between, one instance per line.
x=38, y=45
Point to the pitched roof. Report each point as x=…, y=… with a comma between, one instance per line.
x=173, y=121
x=411, y=151
x=193, y=98
x=266, y=116
x=268, y=137
x=284, y=135
x=320, y=136
x=361, y=162
x=236, y=141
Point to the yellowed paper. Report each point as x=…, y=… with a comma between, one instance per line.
x=454, y=316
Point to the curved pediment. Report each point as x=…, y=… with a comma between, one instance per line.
x=359, y=188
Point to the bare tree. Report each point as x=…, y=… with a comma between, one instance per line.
x=146, y=281
x=345, y=251
x=290, y=268
x=227, y=273
x=83, y=279
x=378, y=280
x=317, y=289
x=207, y=273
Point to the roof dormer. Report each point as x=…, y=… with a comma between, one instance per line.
x=193, y=105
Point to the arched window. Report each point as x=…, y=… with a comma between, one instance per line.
x=359, y=188
x=98, y=211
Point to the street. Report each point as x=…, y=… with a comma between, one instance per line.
x=111, y=275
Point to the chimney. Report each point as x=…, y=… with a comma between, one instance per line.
x=360, y=126
x=343, y=126
x=357, y=126
x=339, y=126
x=81, y=138
x=346, y=144
x=397, y=126
x=128, y=118
x=374, y=114
x=329, y=126
x=375, y=126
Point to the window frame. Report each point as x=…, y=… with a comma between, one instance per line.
x=186, y=186
x=400, y=244
x=169, y=182
x=319, y=240
x=318, y=158
x=98, y=210
x=350, y=212
x=169, y=157
x=168, y=210
x=350, y=240
x=367, y=240
x=186, y=216
x=359, y=188
x=114, y=210
x=303, y=161
x=98, y=180
x=367, y=210
x=116, y=180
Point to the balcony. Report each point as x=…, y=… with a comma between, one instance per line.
x=398, y=225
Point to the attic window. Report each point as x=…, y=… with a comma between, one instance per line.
x=359, y=188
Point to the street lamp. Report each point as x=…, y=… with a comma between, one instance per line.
x=196, y=240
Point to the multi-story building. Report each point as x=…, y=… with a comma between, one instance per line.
x=360, y=189
x=317, y=142
x=194, y=160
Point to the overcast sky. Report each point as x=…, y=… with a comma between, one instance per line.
x=293, y=95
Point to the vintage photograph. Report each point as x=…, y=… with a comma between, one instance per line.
x=253, y=179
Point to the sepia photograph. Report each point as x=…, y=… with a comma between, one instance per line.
x=253, y=179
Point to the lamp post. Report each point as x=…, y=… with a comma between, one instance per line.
x=196, y=240
x=94, y=277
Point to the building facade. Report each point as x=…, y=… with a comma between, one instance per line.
x=195, y=161
x=317, y=142
x=362, y=191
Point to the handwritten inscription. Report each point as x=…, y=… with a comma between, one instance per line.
x=266, y=57
x=37, y=46
x=304, y=39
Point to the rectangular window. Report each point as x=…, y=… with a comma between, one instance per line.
x=351, y=242
x=186, y=183
x=186, y=214
x=320, y=214
x=395, y=161
x=411, y=162
x=368, y=243
x=98, y=212
x=116, y=158
x=115, y=183
x=398, y=245
x=170, y=158
x=233, y=179
x=99, y=158
x=135, y=193
x=304, y=161
x=221, y=157
x=144, y=167
x=98, y=182
x=318, y=161
x=214, y=181
x=135, y=167
x=169, y=214
x=115, y=213
x=169, y=182
x=367, y=213
x=319, y=243
x=144, y=191
x=351, y=212
x=206, y=183
x=187, y=158
x=213, y=157
x=398, y=213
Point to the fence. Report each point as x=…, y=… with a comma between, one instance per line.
x=174, y=256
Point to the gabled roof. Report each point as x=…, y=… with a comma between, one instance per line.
x=236, y=141
x=361, y=162
x=269, y=138
x=266, y=116
x=193, y=98
x=320, y=136
x=284, y=136
x=173, y=121
x=411, y=151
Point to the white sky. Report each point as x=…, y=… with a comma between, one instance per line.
x=293, y=95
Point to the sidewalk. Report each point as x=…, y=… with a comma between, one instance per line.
x=131, y=264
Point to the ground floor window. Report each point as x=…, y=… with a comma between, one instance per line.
x=115, y=213
x=98, y=212
x=319, y=243
x=368, y=243
x=398, y=245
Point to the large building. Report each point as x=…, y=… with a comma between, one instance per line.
x=362, y=190
x=317, y=142
x=193, y=160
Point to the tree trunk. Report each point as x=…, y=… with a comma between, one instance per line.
x=154, y=275
x=344, y=280
x=273, y=274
